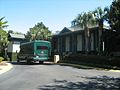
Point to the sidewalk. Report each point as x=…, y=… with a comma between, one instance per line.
x=4, y=67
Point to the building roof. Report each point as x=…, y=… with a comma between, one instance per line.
x=20, y=36
x=70, y=29
x=75, y=28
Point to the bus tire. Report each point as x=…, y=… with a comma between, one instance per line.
x=40, y=62
x=18, y=60
x=28, y=61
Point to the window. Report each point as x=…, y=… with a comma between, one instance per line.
x=16, y=42
x=42, y=47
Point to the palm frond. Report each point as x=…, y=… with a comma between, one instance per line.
x=1, y=18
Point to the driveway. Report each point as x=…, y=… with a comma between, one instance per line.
x=49, y=76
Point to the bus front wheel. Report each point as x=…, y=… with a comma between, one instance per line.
x=18, y=60
x=40, y=62
x=28, y=61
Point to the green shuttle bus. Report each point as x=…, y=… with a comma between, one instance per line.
x=37, y=50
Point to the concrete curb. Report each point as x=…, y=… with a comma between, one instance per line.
x=114, y=70
x=88, y=67
x=5, y=68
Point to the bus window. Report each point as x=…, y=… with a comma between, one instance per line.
x=42, y=47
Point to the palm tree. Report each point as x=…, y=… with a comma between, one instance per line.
x=85, y=20
x=3, y=35
x=2, y=23
x=100, y=16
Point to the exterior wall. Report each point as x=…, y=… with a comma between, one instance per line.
x=13, y=49
x=74, y=42
x=10, y=47
x=14, y=46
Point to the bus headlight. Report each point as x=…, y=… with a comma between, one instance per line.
x=37, y=56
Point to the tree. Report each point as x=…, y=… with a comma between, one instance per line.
x=10, y=31
x=114, y=21
x=3, y=38
x=114, y=16
x=38, y=32
x=2, y=23
x=100, y=15
x=3, y=34
x=85, y=20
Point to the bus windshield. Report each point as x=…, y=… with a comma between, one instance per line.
x=42, y=47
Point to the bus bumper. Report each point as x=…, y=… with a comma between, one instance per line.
x=40, y=59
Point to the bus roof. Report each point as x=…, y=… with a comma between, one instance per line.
x=35, y=41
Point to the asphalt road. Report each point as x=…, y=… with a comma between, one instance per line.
x=49, y=76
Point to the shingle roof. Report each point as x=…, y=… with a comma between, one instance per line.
x=21, y=36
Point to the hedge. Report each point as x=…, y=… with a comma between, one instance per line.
x=93, y=59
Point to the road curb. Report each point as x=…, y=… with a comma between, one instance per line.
x=114, y=70
x=76, y=65
x=5, y=68
x=87, y=67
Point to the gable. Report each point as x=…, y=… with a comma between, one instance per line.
x=65, y=30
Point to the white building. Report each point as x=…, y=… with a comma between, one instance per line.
x=14, y=44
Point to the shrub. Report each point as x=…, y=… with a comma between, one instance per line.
x=93, y=59
x=1, y=59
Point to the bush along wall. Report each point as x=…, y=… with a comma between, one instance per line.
x=93, y=60
x=1, y=59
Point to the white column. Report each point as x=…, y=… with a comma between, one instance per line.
x=103, y=46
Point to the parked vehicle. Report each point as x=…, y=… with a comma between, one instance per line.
x=37, y=50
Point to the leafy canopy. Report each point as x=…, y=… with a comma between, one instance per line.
x=3, y=33
x=114, y=15
x=3, y=23
x=38, y=32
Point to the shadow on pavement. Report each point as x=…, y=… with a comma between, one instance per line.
x=92, y=83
